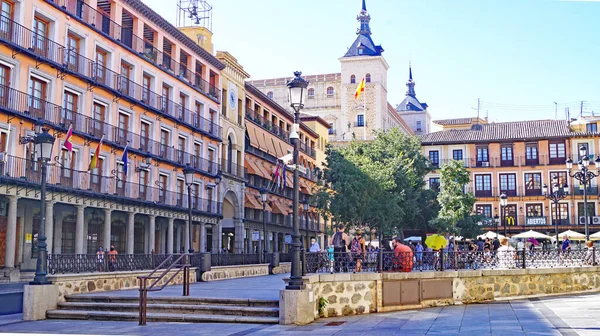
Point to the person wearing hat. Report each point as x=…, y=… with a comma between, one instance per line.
x=358, y=250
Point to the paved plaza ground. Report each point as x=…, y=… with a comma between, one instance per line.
x=560, y=315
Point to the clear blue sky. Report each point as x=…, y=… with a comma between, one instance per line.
x=517, y=56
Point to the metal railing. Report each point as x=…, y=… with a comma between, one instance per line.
x=494, y=162
x=144, y=48
x=26, y=105
x=103, y=262
x=348, y=262
x=69, y=61
x=231, y=259
x=20, y=170
x=230, y=168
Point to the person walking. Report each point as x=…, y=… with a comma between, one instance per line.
x=419, y=253
x=112, y=258
x=340, y=243
x=403, y=256
x=358, y=250
x=506, y=254
x=100, y=259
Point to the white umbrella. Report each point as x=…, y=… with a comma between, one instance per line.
x=572, y=235
x=595, y=236
x=531, y=234
x=490, y=234
x=413, y=238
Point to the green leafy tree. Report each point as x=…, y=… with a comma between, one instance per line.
x=378, y=183
x=456, y=207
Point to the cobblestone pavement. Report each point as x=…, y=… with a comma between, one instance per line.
x=565, y=315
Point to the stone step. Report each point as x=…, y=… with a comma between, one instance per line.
x=161, y=308
x=173, y=300
x=155, y=317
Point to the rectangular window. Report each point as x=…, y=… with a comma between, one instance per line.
x=164, y=142
x=557, y=151
x=146, y=85
x=534, y=210
x=591, y=127
x=531, y=155
x=197, y=162
x=70, y=107
x=482, y=157
x=67, y=161
x=419, y=126
x=125, y=75
x=510, y=215
x=591, y=212
x=123, y=128
x=7, y=10
x=434, y=158
x=587, y=150
x=434, y=183
x=508, y=184
x=560, y=213
x=166, y=94
x=211, y=159
x=484, y=210
x=360, y=120
x=506, y=156
x=162, y=187
x=483, y=185
x=180, y=189
x=100, y=66
x=145, y=136
x=143, y=184
x=457, y=154
x=562, y=178
x=181, y=150
x=39, y=38
x=533, y=184
x=37, y=91
x=72, y=54
x=183, y=102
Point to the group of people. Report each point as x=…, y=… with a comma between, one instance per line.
x=112, y=259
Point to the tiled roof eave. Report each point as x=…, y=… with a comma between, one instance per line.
x=487, y=141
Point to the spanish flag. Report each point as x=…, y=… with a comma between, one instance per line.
x=360, y=89
x=68, y=145
x=94, y=161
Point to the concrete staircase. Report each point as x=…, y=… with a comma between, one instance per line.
x=167, y=309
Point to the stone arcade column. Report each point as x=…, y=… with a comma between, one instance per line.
x=216, y=238
x=239, y=236
x=186, y=235
x=79, y=228
x=107, y=229
x=58, y=228
x=152, y=228
x=170, y=236
x=275, y=242
x=130, y=232
x=49, y=226
x=178, y=240
x=202, y=237
x=11, y=233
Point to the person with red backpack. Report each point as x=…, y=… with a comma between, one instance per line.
x=358, y=250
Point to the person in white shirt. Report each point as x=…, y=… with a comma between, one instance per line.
x=314, y=246
x=506, y=255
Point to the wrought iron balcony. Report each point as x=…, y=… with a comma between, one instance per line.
x=22, y=104
x=67, y=61
x=125, y=37
x=233, y=169
x=21, y=170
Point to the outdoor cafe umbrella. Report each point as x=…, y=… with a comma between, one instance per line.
x=531, y=234
x=491, y=235
x=436, y=242
x=595, y=236
x=572, y=235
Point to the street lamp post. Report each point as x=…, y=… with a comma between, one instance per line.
x=43, y=146
x=296, y=87
x=503, y=204
x=306, y=207
x=555, y=195
x=264, y=194
x=188, y=172
x=584, y=176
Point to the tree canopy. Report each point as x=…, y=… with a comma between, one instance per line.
x=377, y=183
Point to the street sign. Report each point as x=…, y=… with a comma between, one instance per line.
x=288, y=239
x=536, y=220
x=255, y=236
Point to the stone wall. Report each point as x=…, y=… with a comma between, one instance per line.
x=101, y=282
x=352, y=294
x=283, y=268
x=232, y=272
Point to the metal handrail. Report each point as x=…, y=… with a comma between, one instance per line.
x=144, y=288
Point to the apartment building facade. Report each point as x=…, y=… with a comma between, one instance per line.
x=120, y=76
x=268, y=126
x=518, y=159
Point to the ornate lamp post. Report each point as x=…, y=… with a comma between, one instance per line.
x=306, y=207
x=503, y=204
x=43, y=146
x=555, y=195
x=189, y=181
x=264, y=195
x=296, y=87
x=584, y=176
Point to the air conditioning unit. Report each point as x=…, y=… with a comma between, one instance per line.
x=582, y=220
x=485, y=164
x=596, y=220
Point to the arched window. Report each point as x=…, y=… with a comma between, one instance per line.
x=368, y=78
x=352, y=79
x=270, y=94
x=330, y=91
x=311, y=93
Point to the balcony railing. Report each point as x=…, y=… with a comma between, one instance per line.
x=68, y=61
x=233, y=169
x=26, y=105
x=331, y=131
x=591, y=190
x=494, y=162
x=125, y=37
x=360, y=124
x=19, y=170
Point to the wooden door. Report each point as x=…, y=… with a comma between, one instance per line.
x=4, y=85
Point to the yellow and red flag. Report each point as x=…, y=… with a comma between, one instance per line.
x=94, y=161
x=360, y=89
x=68, y=144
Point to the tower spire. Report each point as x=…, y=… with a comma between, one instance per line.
x=410, y=85
x=363, y=20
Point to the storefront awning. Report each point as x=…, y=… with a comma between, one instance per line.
x=251, y=129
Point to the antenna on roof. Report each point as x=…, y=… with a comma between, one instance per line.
x=555, y=110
